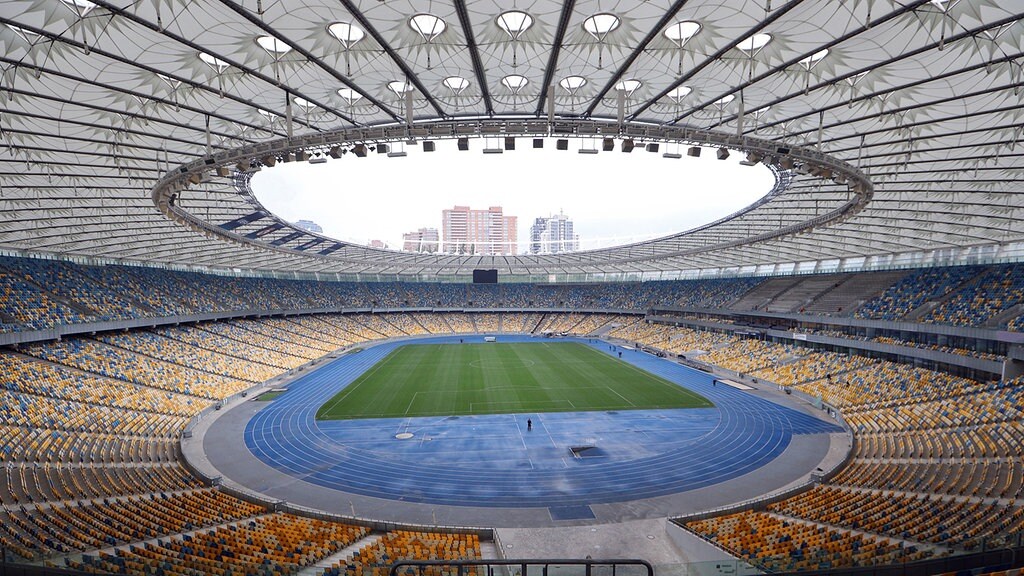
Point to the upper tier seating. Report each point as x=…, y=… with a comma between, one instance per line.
x=914, y=290
x=993, y=291
x=39, y=294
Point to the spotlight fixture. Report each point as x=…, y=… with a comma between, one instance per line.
x=722, y=153
x=302, y=156
x=463, y=144
x=242, y=166
x=269, y=161
x=627, y=145
x=383, y=149
x=653, y=147
x=288, y=157
x=608, y=144
x=428, y=145
x=195, y=178
x=335, y=152
x=209, y=161
x=754, y=157
x=223, y=171
x=510, y=143
x=538, y=142
x=693, y=151
x=786, y=163
x=359, y=150
x=562, y=144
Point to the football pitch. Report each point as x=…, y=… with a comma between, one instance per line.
x=495, y=378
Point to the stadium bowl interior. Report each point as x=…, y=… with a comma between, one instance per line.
x=849, y=345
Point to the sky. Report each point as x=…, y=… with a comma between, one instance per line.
x=613, y=198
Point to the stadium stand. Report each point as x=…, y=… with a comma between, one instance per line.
x=749, y=355
x=914, y=290
x=89, y=424
x=935, y=465
x=91, y=472
x=375, y=559
x=809, y=367
x=274, y=544
x=982, y=298
x=777, y=544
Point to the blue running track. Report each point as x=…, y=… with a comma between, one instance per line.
x=493, y=461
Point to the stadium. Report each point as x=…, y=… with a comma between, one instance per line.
x=827, y=380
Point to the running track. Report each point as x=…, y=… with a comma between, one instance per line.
x=493, y=461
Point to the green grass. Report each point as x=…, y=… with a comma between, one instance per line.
x=266, y=396
x=496, y=378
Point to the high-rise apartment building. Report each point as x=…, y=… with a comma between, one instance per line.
x=422, y=240
x=489, y=232
x=553, y=235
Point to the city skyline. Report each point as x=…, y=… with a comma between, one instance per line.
x=643, y=195
x=550, y=234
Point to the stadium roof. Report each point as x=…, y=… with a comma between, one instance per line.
x=892, y=126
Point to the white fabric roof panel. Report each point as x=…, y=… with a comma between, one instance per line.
x=101, y=99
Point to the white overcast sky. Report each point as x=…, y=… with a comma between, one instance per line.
x=612, y=197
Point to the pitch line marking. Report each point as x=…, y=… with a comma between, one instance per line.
x=351, y=386
x=612, y=390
